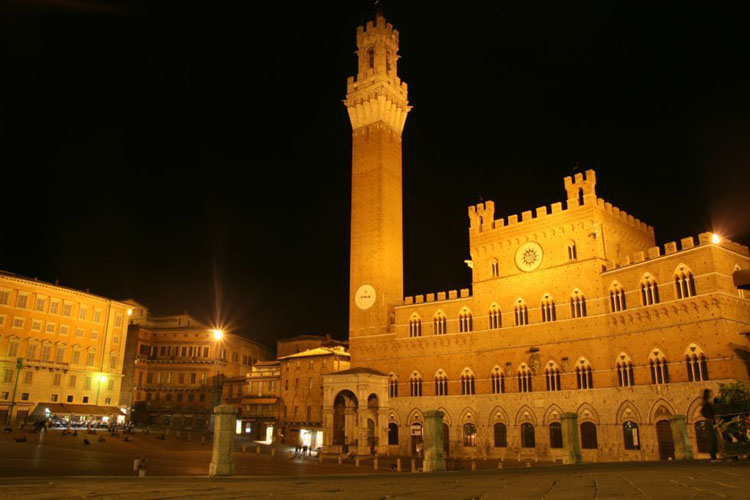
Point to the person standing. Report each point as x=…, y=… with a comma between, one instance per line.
x=707, y=410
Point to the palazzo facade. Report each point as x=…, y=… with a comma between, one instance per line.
x=573, y=308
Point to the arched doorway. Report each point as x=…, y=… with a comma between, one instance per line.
x=446, y=439
x=371, y=438
x=344, y=413
x=665, y=440
x=372, y=423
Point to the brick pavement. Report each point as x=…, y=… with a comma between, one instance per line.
x=649, y=480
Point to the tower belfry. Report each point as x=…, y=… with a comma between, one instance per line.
x=377, y=103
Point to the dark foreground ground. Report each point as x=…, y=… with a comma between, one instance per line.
x=596, y=481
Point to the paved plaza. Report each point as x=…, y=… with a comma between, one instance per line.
x=663, y=481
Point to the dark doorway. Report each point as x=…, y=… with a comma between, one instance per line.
x=446, y=439
x=664, y=438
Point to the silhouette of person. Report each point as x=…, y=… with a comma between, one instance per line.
x=707, y=410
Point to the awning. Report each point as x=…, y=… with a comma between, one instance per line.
x=259, y=401
x=55, y=408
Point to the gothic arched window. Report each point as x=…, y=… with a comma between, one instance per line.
x=696, y=364
x=524, y=378
x=392, y=386
x=439, y=323
x=415, y=385
x=465, y=321
x=584, y=374
x=467, y=383
x=552, y=376
x=415, y=326
x=522, y=313
x=441, y=383
x=624, y=367
x=684, y=283
x=616, y=297
x=649, y=290
x=577, y=304
x=495, y=317
x=549, y=312
x=498, y=381
x=659, y=367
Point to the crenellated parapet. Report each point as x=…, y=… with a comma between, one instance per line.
x=464, y=293
x=377, y=94
x=580, y=187
x=671, y=248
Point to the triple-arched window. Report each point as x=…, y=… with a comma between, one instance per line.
x=495, y=317
x=584, y=374
x=524, y=378
x=521, y=313
x=649, y=290
x=392, y=386
x=439, y=323
x=441, y=383
x=549, y=312
x=684, y=283
x=465, y=321
x=415, y=385
x=696, y=364
x=616, y=297
x=625, y=376
x=552, y=376
x=577, y=304
x=498, y=381
x=467, y=383
x=415, y=326
x=659, y=367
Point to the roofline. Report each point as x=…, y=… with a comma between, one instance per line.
x=35, y=281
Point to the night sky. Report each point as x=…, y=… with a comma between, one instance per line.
x=196, y=156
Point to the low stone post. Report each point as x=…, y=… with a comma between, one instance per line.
x=473, y=465
x=225, y=418
x=398, y=465
x=339, y=459
x=432, y=439
x=375, y=463
x=413, y=465
x=257, y=449
x=500, y=464
x=682, y=450
x=356, y=462
x=273, y=452
x=571, y=446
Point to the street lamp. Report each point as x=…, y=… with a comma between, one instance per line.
x=218, y=334
x=19, y=365
x=715, y=239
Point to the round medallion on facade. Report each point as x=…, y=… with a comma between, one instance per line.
x=365, y=297
x=529, y=256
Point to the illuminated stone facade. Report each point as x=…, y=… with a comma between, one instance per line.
x=71, y=345
x=177, y=365
x=572, y=309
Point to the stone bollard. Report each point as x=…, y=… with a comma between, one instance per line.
x=320, y=458
x=203, y=439
x=528, y=464
x=571, y=446
x=244, y=448
x=177, y=434
x=356, y=462
x=189, y=436
x=432, y=439
x=257, y=449
x=142, y=473
x=273, y=452
x=339, y=459
x=375, y=463
x=225, y=419
x=473, y=465
x=500, y=464
x=166, y=431
x=413, y=465
x=398, y=465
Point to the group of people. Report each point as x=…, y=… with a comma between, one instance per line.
x=302, y=451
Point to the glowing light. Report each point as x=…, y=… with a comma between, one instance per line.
x=130, y=312
x=218, y=334
x=102, y=378
x=715, y=239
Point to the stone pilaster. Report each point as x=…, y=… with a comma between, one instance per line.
x=571, y=445
x=225, y=421
x=432, y=440
x=682, y=450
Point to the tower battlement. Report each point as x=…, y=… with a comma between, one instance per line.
x=580, y=186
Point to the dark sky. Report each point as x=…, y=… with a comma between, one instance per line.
x=176, y=152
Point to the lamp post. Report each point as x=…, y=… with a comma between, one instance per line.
x=19, y=365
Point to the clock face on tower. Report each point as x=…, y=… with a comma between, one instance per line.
x=529, y=256
x=365, y=297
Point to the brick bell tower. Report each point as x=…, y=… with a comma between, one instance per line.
x=377, y=103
